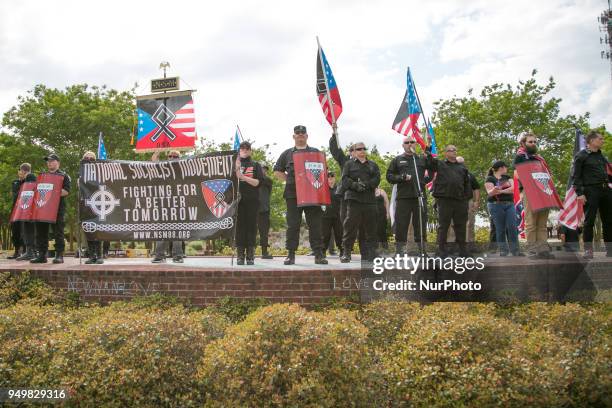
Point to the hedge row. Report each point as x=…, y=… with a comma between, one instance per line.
x=386, y=354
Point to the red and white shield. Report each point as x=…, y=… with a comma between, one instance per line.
x=542, y=181
x=314, y=173
x=45, y=191
x=25, y=199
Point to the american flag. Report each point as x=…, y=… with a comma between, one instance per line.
x=326, y=85
x=408, y=114
x=184, y=122
x=572, y=213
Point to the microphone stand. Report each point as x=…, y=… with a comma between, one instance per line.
x=420, y=198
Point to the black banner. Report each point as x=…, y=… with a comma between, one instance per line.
x=187, y=199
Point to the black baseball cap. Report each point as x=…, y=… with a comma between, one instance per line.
x=299, y=128
x=245, y=145
x=52, y=156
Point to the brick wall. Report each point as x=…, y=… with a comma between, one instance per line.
x=204, y=287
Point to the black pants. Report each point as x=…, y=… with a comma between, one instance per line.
x=343, y=212
x=16, y=235
x=455, y=212
x=360, y=216
x=598, y=198
x=94, y=250
x=42, y=236
x=263, y=225
x=407, y=212
x=28, y=233
x=246, y=228
x=329, y=225
x=294, y=221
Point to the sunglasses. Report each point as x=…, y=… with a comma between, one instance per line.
x=173, y=156
x=451, y=150
x=413, y=142
x=359, y=149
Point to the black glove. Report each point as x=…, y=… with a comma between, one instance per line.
x=358, y=186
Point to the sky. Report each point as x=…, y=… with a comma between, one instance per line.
x=252, y=63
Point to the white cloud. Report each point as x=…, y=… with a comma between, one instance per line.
x=253, y=63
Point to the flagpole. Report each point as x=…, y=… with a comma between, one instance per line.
x=240, y=133
x=331, y=103
x=419, y=101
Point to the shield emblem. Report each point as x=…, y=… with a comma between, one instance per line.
x=314, y=173
x=25, y=199
x=542, y=181
x=218, y=195
x=45, y=191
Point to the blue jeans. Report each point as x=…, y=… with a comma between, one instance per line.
x=504, y=218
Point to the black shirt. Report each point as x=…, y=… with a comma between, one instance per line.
x=250, y=169
x=265, y=191
x=452, y=180
x=590, y=168
x=285, y=164
x=404, y=164
x=366, y=172
x=503, y=182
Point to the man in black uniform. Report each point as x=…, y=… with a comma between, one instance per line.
x=263, y=218
x=360, y=177
x=452, y=191
x=331, y=214
x=250, y=175
x=401, y=171
x=284, y=171
x=42, y=228
x=593, y=185
x=22, y=231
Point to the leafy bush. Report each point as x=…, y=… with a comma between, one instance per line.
x=24, y=288
x=450, y=356
x=236, y=309
x=283, y=355
x=384, y=320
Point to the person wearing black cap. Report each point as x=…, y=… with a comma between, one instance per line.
x=593, y=184
x=263, y=217
x=360, y=177
x=500, y=202
x=251, y=176
x=42, y=228
x=401, y=171
x=452, y=190
x=284, y=171
x=331, y=214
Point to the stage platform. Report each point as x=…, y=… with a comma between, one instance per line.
x=204, y=280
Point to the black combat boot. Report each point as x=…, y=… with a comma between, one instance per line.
x=250, y=255
x=290, y=259
x=265, y=254
x=320, y=257
x=240, y=256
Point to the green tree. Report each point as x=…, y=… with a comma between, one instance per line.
x=485, y=127
x=67, y=122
